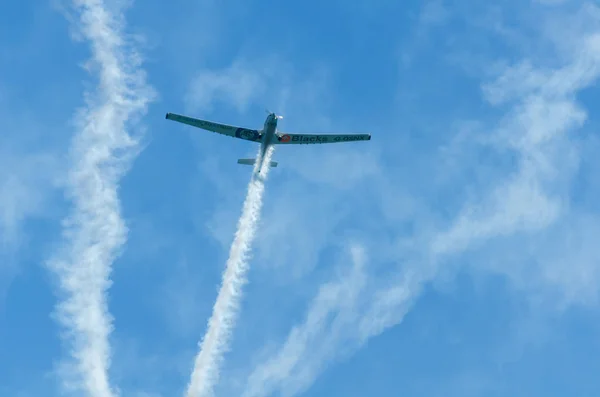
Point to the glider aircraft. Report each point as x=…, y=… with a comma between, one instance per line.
x=267, y=136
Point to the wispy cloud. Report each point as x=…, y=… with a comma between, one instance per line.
x=270, y=82
x=530, y=208
x=28, y=182
x=25, y=181
x=22, y=191
x=94, y=232
x=332, y=311
x=236, y=85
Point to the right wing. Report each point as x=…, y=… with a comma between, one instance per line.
x=224, y=129
x=305, y=139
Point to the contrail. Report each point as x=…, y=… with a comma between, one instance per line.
x=215, y=342
x=94, y=232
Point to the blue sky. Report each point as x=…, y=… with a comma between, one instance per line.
x=452, y=255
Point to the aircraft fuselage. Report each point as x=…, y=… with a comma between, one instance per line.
x=268, y=134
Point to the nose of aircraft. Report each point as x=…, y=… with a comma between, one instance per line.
x=272, y=115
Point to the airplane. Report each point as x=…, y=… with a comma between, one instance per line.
x=267, y=136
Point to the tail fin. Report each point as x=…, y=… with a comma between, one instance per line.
x=252, y=161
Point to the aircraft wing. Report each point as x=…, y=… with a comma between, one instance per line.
x=224, y=129
x=306, y=139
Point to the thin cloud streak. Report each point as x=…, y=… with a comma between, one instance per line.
x=332, y=310
x=94, y=233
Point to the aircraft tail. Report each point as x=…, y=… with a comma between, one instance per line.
x=252, y=161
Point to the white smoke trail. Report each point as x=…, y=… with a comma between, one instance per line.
x=215, y=342
x=94, y=232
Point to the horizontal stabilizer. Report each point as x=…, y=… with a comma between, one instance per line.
x=247, y=161
x=252, y=161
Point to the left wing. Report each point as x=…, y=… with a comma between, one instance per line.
x=224, y=129
x=306, y=139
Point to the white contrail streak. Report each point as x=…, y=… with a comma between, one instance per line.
x=215, y=342
x=94, y=231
